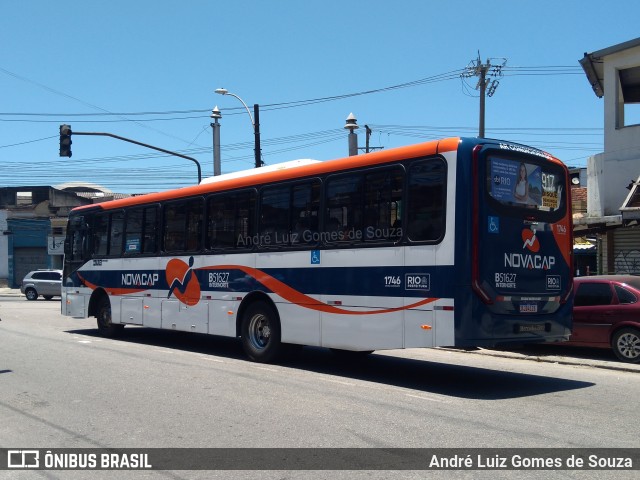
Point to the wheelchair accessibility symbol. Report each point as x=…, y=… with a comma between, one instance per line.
x=315, y=257
x=494, y=224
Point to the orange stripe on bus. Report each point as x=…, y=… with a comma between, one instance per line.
x=279, y=288
x=302, y=300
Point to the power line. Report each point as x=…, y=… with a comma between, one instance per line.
x=451, y=75
x=28, y=141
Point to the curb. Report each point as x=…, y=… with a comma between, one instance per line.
x=561, y=360
x=10, y=292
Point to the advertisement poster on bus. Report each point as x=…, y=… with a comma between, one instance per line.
x=519, y=183
x=516, y=182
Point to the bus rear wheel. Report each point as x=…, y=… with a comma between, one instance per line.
x=105, y=327
x=260, y=331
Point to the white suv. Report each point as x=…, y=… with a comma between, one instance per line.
x=47, y=283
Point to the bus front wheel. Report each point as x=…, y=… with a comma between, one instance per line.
x=260, y=333
x=105, y=327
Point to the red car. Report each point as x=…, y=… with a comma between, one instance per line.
x=606, y=313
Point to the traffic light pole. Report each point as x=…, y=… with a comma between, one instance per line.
x=103, y=134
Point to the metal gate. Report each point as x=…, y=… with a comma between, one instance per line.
x=26, y=259
x=626, y=251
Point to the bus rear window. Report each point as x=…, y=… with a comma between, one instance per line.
x=525, y=184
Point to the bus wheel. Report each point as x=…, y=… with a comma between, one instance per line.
x=105, y=327
x=626, y=345
x=260, y=332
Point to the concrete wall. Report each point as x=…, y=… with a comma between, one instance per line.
x=610, y=172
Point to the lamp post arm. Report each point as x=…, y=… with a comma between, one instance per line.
x=245, y=106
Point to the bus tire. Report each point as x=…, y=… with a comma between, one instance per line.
x=260, y=333
x=105, y=327
x=626, y=344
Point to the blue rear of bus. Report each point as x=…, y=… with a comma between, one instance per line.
x=520, y=271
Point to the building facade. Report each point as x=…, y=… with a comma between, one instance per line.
x=614, y=75
x=32, y=229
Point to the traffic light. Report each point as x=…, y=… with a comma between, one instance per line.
x=65, y=141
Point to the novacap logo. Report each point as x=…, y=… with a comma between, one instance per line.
x=529, y=260
x=182, y=281
x=530, y=240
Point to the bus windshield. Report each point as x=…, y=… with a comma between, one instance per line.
x=525, y=184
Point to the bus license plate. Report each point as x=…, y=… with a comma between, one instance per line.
x=531, y=328
x=528, y=308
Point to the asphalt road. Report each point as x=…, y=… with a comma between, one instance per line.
x=62, y=386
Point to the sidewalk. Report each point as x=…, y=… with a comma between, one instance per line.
x=10, y=292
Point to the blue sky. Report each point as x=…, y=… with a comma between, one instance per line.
x=103, y=66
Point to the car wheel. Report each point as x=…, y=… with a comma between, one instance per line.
x=31, y=294
x=260, y=331
x=626, y=344
x=105, y=327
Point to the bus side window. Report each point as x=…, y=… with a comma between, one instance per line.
x=343, y=208
x=383, y=191
x=133, y=231
x=304, y=212
x=426, y=200
x=150, y=235
x=100, y=234
x=174, y=227
x=116, y=236
x=194, y=219
x=230, y=221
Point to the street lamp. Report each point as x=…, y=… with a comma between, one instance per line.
x=255, y=123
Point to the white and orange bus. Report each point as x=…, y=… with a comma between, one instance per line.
x=458, y=242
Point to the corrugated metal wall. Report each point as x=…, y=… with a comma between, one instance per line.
x=626, y=251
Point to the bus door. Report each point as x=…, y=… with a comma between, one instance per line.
x=76, y=251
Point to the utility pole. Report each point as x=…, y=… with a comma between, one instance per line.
x=367, y=147
x=256, y=134
x=215, y=125
x=488, y=82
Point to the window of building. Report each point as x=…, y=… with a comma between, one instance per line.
x=628, y=97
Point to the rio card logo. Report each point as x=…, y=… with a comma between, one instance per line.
x=182, y=281
x=530, y=258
